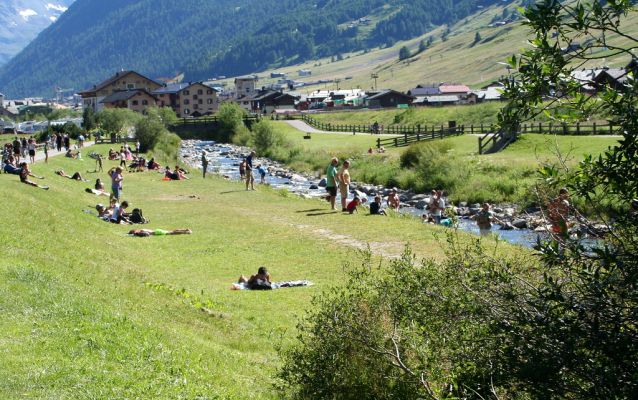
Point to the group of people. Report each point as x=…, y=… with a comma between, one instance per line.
x=21, y=147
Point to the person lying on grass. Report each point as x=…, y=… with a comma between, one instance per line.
x=99, y=189
x=103, y=211
x=9, y=166
x=262, y=273
x=158, y=232
x=77, y=176
x=25, y=172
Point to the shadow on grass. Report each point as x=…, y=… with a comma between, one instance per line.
x=315, y=209
x=323, y=213
x=233, y=191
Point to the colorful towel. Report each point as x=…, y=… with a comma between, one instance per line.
x=275, y=285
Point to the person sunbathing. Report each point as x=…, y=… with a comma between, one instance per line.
x=103, y=212
x=158, y=232
x=25, y=172
x=262, y=273
x=178, y=174
x=77, y=176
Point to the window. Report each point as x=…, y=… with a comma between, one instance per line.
x=186, y=93
x=200, y=101
x=144, y=102
x=186, y=101
x=114, y=90
x=200, y=91
x=105, y=91
x=194, y=97
x=144, y=112
x=130, y=86
x=195, y=106
x=123, y=82
x=186, y=111
x=162, y=102
x=161, y=95
x=113, y=84
x=134, y=102
x=209, y=91
x=210, y=101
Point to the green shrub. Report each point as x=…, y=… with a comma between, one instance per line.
x=243, y=136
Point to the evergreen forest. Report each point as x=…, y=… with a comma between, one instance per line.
x=94, y=39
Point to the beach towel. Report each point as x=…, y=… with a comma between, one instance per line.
x=275, y=285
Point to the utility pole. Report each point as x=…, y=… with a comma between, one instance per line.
x=374, y=76
x=337, y=80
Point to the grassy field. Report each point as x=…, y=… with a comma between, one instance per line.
x=527, y=150
x=90, y=312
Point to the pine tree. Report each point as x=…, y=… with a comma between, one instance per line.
x=422, y=46
x=477, y=37
x=404, y=53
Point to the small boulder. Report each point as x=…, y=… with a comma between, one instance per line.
x=322, y=182
x=314, y=187
x=520, y=224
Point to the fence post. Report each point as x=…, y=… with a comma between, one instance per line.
x=432, y=132
x=405, y=135
x=472, y=128
x=578, y=128
x=396, y=142
x=480, y=145
x=378, y=143
x=611, y=129
x=594, y=128
x=441, y=131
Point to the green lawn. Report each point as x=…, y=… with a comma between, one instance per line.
x=79, y=320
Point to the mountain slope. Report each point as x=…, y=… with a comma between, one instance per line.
x=203, y=38
x=94, y=38
x=22, y=20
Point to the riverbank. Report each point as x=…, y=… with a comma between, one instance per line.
x=524, y=223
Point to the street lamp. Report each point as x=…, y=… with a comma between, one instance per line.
x=374, y=76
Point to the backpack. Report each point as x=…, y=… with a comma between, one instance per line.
x=137, y=217
x=483, y=220
x=260, y=284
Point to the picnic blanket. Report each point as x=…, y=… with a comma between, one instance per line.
x=275, y=285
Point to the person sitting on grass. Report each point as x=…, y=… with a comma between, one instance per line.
x=25, y=173
x=262, y=274
x=375, y=207
x=168, y=173
x=370, y=151
x=77, y=176
x=119, y=216
x=158, y=232
x=352, y=207
x=70, y=154
x=112, y=154
x=78, y=155
x=152, y=164
x=178, y=174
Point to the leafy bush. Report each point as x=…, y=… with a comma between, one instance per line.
x=243, y=136
x=230, y=119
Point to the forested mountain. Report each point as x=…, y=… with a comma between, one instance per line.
x=22, y=20
x=203, y=38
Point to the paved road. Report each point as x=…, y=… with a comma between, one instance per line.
x=304, y=127
x=39, y=155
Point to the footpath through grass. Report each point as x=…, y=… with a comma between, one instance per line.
x=90, y=312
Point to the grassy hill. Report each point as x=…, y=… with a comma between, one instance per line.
x=456, y=60
x=89, y=310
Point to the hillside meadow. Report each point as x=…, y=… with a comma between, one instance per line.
x=91, y=312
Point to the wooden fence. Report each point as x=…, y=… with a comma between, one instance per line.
x=557, y=129
x=391, y=130
x=409, y=138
